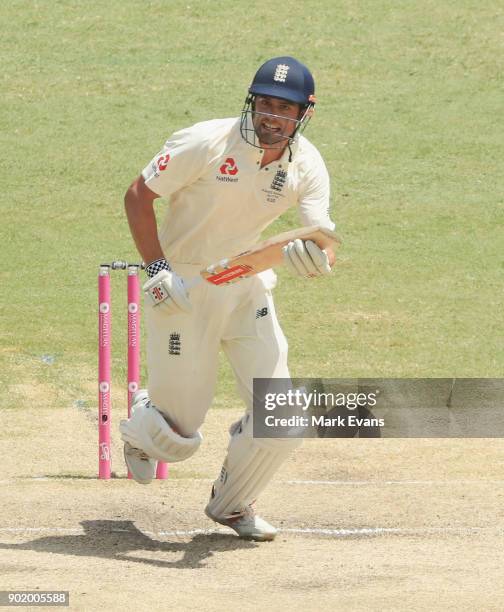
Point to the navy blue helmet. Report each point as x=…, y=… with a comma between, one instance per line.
x=285, y=78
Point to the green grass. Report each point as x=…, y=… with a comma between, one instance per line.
x=409, y=122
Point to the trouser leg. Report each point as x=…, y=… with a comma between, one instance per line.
x=256, y=347
x=182, y=360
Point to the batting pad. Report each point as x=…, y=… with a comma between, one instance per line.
x=249, y=466
x=149, y=431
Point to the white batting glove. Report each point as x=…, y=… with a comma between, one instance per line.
x=305, y=258
x=166, y=290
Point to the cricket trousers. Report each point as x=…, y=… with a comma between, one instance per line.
x=182, y=359
x=183, y=349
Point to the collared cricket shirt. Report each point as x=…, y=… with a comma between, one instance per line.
x=220, y=199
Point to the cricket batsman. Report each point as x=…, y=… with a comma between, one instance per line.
x=225, y=181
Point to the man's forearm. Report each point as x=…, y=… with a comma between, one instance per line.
x=143, y=225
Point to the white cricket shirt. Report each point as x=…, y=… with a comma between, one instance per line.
x=220, y=199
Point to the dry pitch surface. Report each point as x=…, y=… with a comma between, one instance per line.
x=365, y=525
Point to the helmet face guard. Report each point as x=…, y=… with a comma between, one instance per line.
x=285, y=78
x=249, y=116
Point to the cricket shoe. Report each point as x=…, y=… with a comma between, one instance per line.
x=140, y=465
x=247, y=524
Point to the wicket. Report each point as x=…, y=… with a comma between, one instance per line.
x=104, y=358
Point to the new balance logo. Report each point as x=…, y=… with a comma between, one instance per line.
x=281, y=73
x=261, y=312
x=279, y=180
x=174, y=346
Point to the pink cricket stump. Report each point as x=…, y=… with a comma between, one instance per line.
x=162, y=470
x=104, y=359
x=133, y=335
x=134, y=348
x=104, y=343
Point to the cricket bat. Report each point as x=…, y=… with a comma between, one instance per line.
x=265, y=255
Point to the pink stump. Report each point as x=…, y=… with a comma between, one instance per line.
x=104, y=343
x=134, y=348
x=133, y=333
x=162, y=470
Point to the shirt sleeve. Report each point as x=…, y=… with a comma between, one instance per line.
x=314, y=198
x=179, y=163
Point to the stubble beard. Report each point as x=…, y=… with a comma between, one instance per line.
x=277, y=140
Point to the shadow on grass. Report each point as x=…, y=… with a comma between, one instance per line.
x=109, y=539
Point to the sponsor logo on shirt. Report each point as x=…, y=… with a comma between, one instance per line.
x=162, y=161
x=160, y=164
x=227, y=171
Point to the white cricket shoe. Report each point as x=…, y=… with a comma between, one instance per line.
x=140, y=465
x=247, y=525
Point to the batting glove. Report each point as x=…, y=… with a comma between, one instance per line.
x=166, y=290
x=305, y=258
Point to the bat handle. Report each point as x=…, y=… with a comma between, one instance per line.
x=192, y=281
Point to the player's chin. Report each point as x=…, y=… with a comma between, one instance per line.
x=269, y=139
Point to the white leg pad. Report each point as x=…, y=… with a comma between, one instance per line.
x=249, y=466
x=148, y=430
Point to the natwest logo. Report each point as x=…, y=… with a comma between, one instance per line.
x=159, y=164
x=229, y=167
x=162, y=161
x=228, y=171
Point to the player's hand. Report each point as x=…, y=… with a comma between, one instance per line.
x=166, y=290
x=305, y=258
